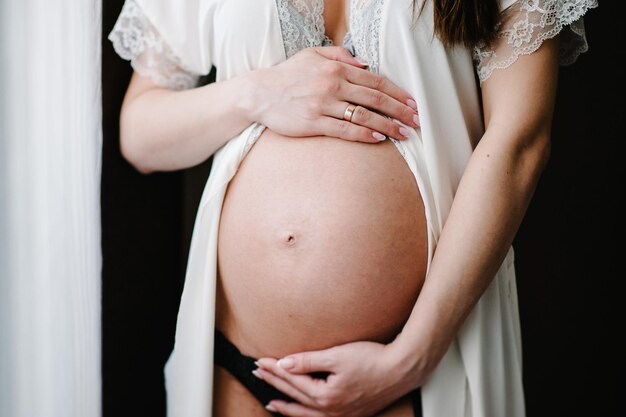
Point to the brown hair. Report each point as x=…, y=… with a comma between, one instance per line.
x=464, y=22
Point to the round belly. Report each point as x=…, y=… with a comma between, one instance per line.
x=321, y=242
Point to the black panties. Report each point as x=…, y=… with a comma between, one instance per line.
x=241, y=366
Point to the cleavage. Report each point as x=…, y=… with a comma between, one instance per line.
x=336, y=19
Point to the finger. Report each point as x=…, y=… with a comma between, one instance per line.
x=379, y=83
x=381, y=101
x=367, y=118
x=338, y=53
x=266, y=362
x=303, y=383
x=283, y=386
x=330, y=126
x=293, y=409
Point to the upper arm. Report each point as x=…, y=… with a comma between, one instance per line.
x=519, y=100
x=138, y=85
x=518, y=70
x=166, y=42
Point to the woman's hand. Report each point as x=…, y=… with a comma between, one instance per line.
x=308, y=94
x=364, y=378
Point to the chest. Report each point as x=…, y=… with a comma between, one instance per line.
x=336, y=19
x=274, y=30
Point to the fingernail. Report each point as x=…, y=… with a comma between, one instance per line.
x=378, y=137
x=404, y=131
x=416, y=120
x=286, y=363
x=270, y=408
x=257, y=374
x=411, y=103
x=257, y=364
x=361, y=61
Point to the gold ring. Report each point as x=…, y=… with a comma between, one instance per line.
x=347, y=115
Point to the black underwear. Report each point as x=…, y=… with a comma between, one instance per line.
x=241, y=366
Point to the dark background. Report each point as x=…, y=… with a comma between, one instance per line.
x=568, y=251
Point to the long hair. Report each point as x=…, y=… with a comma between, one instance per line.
x=464, y=22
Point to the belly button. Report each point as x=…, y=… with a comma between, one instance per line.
x=290, y=240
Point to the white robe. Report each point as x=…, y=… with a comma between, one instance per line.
x=175, y=42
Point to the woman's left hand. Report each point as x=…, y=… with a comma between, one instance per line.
x=364, y=377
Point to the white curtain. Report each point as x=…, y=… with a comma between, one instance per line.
x=50, y=262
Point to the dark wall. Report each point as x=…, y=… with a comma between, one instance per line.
x=144, y=248
x=566, y=250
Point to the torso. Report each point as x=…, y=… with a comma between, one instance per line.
x=321, y=242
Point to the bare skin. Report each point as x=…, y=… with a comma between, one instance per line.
x=244, y=404
x=334, y=251
x=165, y=130
x=340, y=225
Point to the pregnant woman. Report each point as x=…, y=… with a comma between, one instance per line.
x=350, y=139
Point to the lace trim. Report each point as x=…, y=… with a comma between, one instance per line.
x=302, y=24
x=365, y=20
x=526, y=25
x=135, y=39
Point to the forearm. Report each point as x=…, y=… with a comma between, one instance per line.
x=488, y=208
x=163, y=130
x=304, y=96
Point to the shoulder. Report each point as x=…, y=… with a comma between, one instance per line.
x=526, y=24
x=169, y=41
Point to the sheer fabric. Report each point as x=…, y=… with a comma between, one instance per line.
x=526, y=24
x=302, y=24
x=136, y=39
x=365, y=19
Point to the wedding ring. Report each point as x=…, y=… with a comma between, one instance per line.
x=347, y=115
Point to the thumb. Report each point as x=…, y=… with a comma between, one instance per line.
x=307, y=362
x=338, y=53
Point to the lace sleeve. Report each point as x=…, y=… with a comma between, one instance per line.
x=136, y=39
x=526, y=24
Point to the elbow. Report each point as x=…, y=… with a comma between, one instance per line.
x=133, y=145
x=539, y=151
x=134, y=153
x=528, y=153
x=533, y=154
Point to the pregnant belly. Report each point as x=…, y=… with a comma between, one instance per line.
x=321, y=242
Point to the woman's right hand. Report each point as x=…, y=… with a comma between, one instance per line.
x=308, y=94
